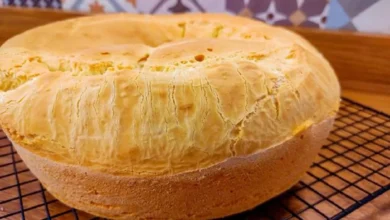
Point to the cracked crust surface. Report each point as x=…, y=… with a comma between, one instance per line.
x=148, y=96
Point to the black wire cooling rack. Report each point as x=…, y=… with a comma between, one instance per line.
x=351, y=170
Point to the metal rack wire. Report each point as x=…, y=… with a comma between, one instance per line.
x=351, y=170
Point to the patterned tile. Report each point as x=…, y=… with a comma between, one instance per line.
x=311, y=13
x=282, y=12
x=314, y=7
x=271, y=15
x=354, y=7
x=320, y=18
x=360, y=15
x=296, y=18
x=33, y=3
x=99, y=6
x=376, y=18
x=250, y=8
x=260, y=6
x=337, y=17
x=288, y=9
x=235, y=6
x=180, y=6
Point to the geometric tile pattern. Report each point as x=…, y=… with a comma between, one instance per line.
x=354, y=7
x=360, y=15
x=337, y=16
x=179, y=6
x=375, y=18
x=33, y=3
x=311, y=13
x=99, y=6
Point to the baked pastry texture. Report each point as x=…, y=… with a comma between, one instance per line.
x=170, y=116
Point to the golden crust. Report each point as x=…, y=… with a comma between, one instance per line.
x=144, y=95
x=232, y=186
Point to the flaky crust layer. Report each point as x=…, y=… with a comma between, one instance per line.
x=229, y=187
x=160, y=95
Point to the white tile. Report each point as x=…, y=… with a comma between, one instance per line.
x=214, y=5
x=374, y=19
x=146, y=6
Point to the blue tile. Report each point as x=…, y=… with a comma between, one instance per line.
x=337, y=17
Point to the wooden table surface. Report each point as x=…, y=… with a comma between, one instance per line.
x=362, y=62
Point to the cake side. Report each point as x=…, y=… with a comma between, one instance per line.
x=232, y=186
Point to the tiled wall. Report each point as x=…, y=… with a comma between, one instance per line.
x=358, y=15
